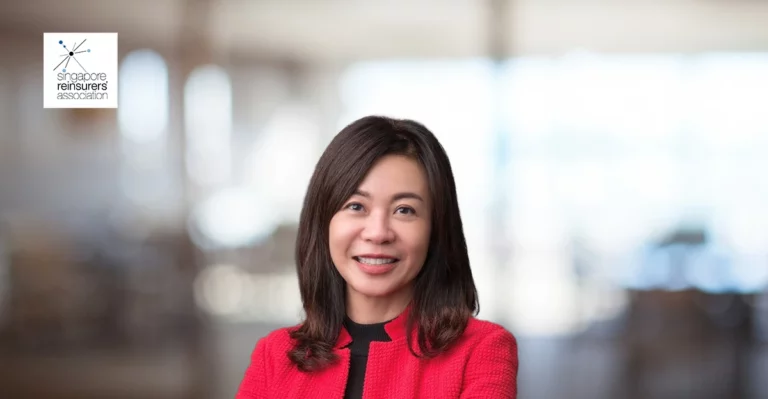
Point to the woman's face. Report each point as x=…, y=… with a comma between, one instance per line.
x=379, y=239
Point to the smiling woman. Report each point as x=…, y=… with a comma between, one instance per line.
x=385, y=282
x=379, y=239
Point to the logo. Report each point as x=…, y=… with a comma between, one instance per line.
x=71, y=55
x=80, y=70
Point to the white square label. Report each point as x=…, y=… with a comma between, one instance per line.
x=80, y=70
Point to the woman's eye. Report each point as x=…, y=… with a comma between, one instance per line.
x=355, y=207
x=404, y=210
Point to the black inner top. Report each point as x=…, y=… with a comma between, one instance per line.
x=362, y=335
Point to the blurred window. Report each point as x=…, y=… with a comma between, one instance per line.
x=143, y=105
x=208, y=126
x=614, y=151
x=147, y=178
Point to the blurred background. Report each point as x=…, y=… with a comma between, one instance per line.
x=607, y=156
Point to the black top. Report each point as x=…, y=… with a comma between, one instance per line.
x=362, y=335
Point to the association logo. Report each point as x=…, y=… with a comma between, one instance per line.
x=81, y=70
x=70, y=55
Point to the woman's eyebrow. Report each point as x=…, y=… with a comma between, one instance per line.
x=395, y=197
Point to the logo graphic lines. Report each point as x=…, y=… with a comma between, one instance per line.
x=70, y=54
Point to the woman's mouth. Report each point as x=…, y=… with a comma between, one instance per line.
x=375, y=261
x=375, y=266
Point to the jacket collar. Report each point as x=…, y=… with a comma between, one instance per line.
x=396, y=329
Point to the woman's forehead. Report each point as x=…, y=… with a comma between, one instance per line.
x=395, y=175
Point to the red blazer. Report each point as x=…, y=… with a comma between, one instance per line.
x=481, y=364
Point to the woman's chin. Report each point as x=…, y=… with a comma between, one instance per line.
x=371, y=289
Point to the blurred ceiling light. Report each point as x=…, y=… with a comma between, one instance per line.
x=219, y=289
x=143, y=112
x=273, y=298
x=232, y=217
x=283, y=158
x=208, y=125
x=230, y=293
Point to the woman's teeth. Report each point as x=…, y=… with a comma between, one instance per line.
x=375, y=261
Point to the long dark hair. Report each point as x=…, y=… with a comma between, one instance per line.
x=444, y=293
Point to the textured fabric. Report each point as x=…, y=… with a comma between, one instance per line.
x=362, y=336
x=481, y=364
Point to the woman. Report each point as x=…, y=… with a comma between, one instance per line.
x=385, y=282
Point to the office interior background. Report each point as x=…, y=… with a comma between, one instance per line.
x=610, y=158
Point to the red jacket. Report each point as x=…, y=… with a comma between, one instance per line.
x=481, y=364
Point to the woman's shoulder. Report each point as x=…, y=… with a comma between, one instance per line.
x=276, y=341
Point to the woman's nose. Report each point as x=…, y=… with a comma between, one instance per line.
x=378, y=230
